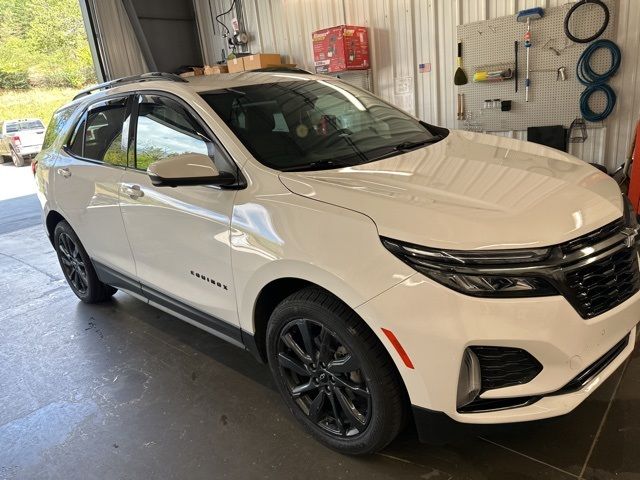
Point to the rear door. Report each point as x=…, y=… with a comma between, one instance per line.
x=179, y=235
x=87, y=175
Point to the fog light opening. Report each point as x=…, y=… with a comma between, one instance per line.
x=469, y=382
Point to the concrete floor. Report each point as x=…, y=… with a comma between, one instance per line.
x=122, y=390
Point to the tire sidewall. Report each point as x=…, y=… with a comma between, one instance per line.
x=281, y=317
x=64, y=227
x=18, y=161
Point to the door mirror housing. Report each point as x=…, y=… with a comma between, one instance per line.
x=188, y=169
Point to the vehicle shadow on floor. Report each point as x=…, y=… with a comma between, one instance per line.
x=500, y=451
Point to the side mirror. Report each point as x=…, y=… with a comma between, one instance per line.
x=187, y=169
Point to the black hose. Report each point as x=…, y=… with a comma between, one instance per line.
x=586, y=74
x=572, y=10
x=223, y=14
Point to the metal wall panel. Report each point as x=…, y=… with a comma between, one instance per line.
x=405, y=33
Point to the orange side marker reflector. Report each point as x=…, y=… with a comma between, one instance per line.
x=396, y=344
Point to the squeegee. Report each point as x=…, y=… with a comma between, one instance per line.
x=525, y=16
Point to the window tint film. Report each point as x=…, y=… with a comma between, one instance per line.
x=315, y=124
x=106, y=133
x=75, y=142
x=57, y=126
x=165, y=129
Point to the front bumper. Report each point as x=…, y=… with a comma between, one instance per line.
x=435, y=325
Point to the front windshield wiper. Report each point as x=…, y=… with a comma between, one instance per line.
x=404, y=146
x=319, y=165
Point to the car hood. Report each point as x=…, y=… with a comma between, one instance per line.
x=472, y=191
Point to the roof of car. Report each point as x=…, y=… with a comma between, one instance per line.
x=202, y=83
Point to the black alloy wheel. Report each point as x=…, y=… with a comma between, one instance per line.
x=77, y=267
x=324, y=378
x=334, y=374
x=72, y=264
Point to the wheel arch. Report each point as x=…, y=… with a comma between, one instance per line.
x=52, y=219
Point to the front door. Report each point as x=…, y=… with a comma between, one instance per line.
x=179, y=235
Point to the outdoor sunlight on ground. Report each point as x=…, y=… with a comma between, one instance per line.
x=16, y=182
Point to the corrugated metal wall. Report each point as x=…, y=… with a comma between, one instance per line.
x=404, y=33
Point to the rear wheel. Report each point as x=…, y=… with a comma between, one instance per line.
x=77, y=267
x=18, y=161
x=333, y=373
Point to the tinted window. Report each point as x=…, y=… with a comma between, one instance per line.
x=56, y=126
x=165, y=129
x=315, y=124
x=104, y=131
x=26, y=125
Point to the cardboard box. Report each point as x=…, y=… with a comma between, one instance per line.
x=194, y=72
x=215, y=69
x=336, y=49
x=235, y=65
x=261, y=60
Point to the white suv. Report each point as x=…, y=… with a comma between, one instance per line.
x=386, y=269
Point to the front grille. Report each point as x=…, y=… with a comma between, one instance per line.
x=591, y=238
x=504, y=367
x=604, y=284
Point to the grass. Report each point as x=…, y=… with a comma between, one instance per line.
x=33, y=103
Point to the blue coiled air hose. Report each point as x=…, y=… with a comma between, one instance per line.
x=596, y=82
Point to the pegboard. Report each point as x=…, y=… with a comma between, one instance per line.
x=551, y=102
x=358, y=78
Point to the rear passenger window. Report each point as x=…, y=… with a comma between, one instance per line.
x=165, y=129
x=103, y=133
x=56, y=126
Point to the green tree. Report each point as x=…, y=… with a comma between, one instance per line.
x=43, y=43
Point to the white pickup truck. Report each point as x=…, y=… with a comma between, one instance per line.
x=21, y=140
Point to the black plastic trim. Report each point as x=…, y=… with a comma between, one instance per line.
x=194, y=314
x=119, y=280
x=577, y=383
x=116, y=279
x=589, y=373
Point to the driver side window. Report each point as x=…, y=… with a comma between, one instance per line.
x=165, y=129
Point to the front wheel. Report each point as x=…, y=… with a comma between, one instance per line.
x=333, y=373
x=77, y=267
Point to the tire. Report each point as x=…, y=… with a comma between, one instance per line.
x=18, y=161
x=77, y=267
x=355, y=371
x=5, y=158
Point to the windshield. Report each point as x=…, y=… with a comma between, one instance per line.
x=315, y=124
x=20, y=126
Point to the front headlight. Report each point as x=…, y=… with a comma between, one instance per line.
x=478, y=273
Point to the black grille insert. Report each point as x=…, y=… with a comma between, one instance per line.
x=604, y=284
x=504, y=366
x=590, y=239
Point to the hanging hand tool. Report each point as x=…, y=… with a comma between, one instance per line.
x=460, y=78
x=527, y=16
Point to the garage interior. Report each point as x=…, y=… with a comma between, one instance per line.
x=123, y=390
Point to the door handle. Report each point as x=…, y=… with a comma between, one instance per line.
x=133, y=191
x=65, y=172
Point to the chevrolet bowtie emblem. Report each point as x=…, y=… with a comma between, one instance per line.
x=630, y=236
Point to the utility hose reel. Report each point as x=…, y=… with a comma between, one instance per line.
x=573, y=9
x=596, y=82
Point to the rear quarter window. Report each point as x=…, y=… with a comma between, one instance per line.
x=57, y=126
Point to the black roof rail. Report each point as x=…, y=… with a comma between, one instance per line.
x=145, y=77
x=278, y=69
